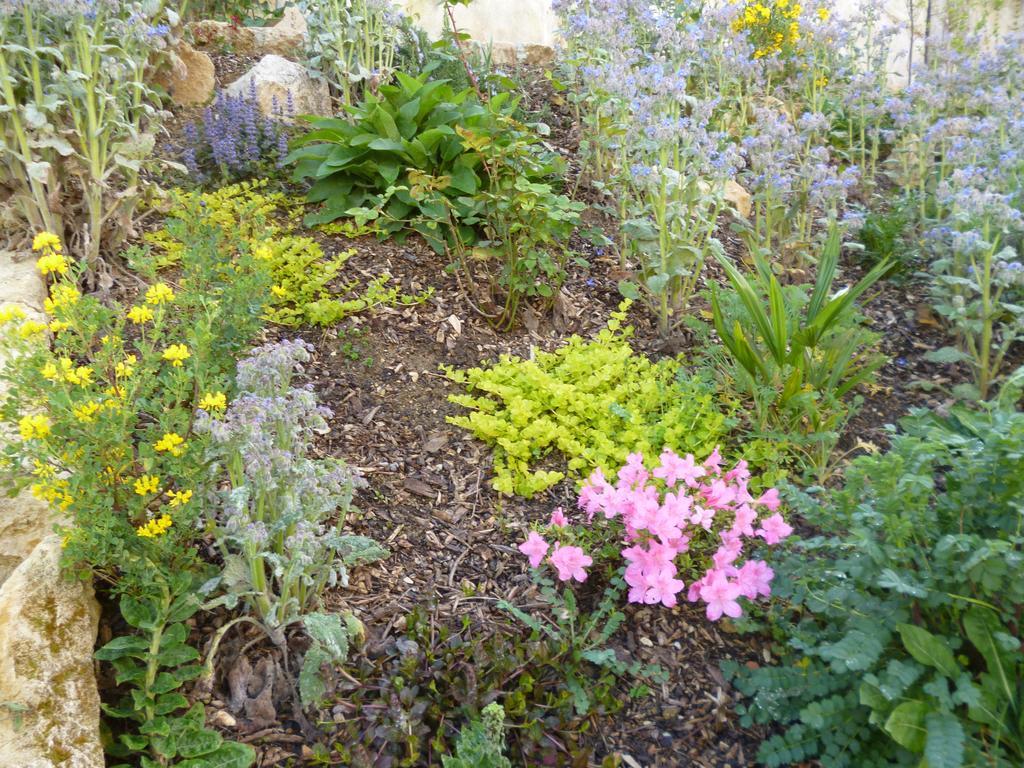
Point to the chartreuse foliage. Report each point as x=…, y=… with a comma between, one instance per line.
x=308, y=285
x=594, y=402
x=901, y=620
x=155, y=663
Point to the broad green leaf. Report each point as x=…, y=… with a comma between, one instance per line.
x=906, y=725
x=928, y=649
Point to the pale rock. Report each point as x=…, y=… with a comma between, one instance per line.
x=286, y=38
x=223, y=35
x=739, y=197
x=48, y=630
x=502, y=54
x=21, y=284
x=538, y=55
x=24, y=522
x=275, y=77
x=191, y=77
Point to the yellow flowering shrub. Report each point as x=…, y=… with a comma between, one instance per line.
x=102, y=399
x=307, y=284
x=773, y=27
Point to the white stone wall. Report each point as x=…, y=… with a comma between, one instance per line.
x=518, y=22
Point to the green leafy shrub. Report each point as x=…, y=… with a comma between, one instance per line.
x=352, y=161
x=482, y=743
x=592, y=401
x=901, y=620
x=155, y=663
x=307, y=284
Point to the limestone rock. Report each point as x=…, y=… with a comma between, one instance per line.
x=191, y=77
x=275, y=78
x=739, y=197
x=502, y=54
x=47, y=633
x=21, y=284
x=538, y=55
x=286, y=38
x=24, y=522
x=223, y=35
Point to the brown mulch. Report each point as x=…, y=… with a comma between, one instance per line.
x=452, y=538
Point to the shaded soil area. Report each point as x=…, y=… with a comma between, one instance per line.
x=452, y=538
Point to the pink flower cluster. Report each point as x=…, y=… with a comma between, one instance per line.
x=696, y=509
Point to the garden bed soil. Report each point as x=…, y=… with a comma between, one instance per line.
x=452, y=538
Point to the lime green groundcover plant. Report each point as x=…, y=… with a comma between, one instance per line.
x=595, y=402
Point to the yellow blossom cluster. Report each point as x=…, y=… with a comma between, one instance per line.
x=147, y=485
x=772, y=28
x=65, y=370
x=177, y=354
x=34, y=427
x=170, y=443
x=52, y=260
x=214, y=402
x=179, y=498
x=155, y=527
x=140, y=315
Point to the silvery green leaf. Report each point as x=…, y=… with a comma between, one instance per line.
x=63, y=148
x=34, y=119
x=329, y=632
x=38, y=171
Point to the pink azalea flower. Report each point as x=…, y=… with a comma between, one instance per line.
x=558, y=518
x=720, y=595
x=745, y=517
x=663, y=588
x=534, y=548
x=728, y=552
x=770, y=499
x=755, y=578
x=774, y=529
x=570, y=563
x=713, y=463
x=674, y=469
x=740, y=472
x=719, y=494
x=633, y=473
x=595, y=494
x=703, y=517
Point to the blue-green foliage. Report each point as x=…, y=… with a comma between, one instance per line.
x=481, y=744
x=901, y=620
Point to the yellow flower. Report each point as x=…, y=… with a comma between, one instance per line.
x=82, y=375
x=278, y=291
x=50, y=372
x=171, y=443
x=179, y=498
x=263, y=252
x=31, y=427
x=177, y=354
x=52, y=262
x=824, y=13
x=61, y=296
x=56, y=326
x=159, y=294
x=154, y=528
x=126, y=368
x=86, y=412
x=140, y=315
x=147, y=484
x=31, y=328
x=213, y=401
x=46, y=240
x=11, y=312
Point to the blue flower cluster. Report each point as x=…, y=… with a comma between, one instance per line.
x=234, y=140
